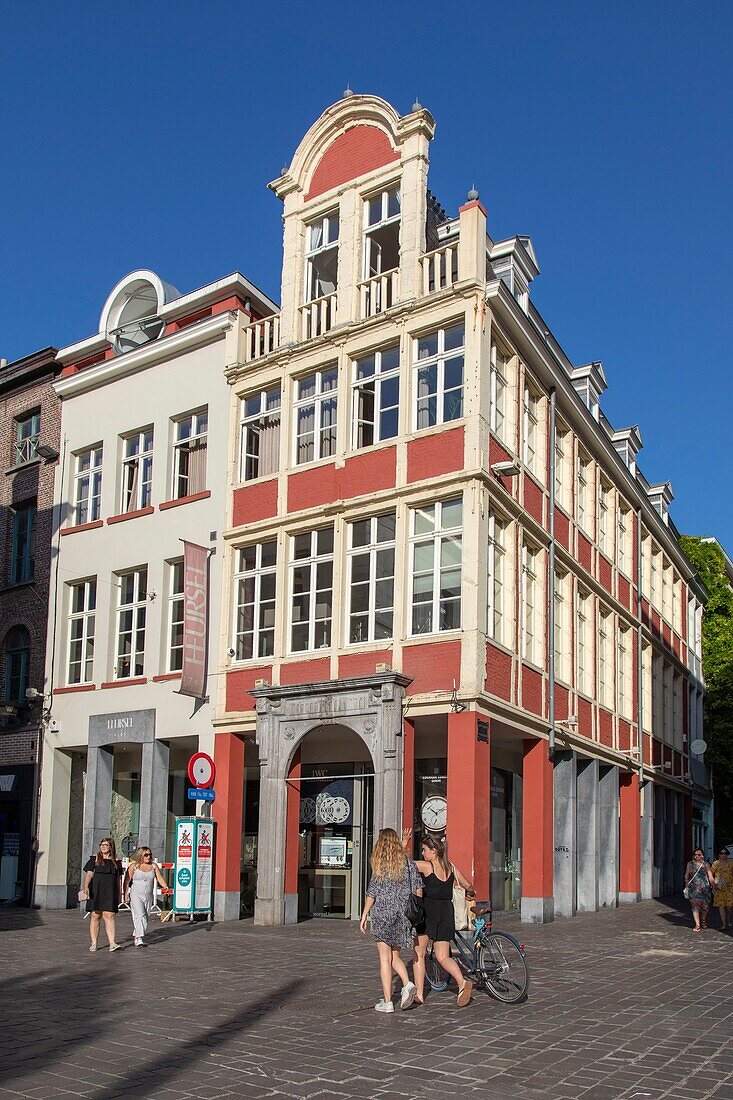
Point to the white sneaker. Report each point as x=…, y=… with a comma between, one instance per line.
x=408, y=994
x=138, y=942
x=384, y=1006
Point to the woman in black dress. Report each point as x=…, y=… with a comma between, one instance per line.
x=439, y=877
x=101, y=891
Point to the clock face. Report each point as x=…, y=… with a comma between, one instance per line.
x=434, y=813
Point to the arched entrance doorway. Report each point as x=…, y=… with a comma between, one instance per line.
x=331, y=793
x=334, y=711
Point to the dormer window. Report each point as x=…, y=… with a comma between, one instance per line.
x=321, y=277
x=382, y=233
x=131, y=315
x=509, y=273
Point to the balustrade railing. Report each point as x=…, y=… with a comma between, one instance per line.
x=439, y=268
x=317, y=317
x=261, y=337
x=378, y=293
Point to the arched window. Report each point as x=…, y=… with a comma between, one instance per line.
x=17, y=661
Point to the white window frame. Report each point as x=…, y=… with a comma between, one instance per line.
x=646, y=685
x=622, y=540
x=199, y=421
x=329, y=244
x=385, y=220
x=605, y=658
x=313, y=561
x=373, y=548
x=531, y=428
x=318, y=400
x=623, y=670
x=562, y=621
x=496, y=616
x=27, y=434
x=562, y=485
x=86, y=616
x=88, y=485
x=251, y=425
x=439, y=536
x=143, y=458
x=138, y=609
x=499, y=393
x=377, y=379
x=583, y=655
x=439, y=360
x=605, y=513
x=264, y=610
x=532, y=618
x=583, y=495
x=174, y=615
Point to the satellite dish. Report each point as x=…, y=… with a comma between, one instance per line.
x=698, y=746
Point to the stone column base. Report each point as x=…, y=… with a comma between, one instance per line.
x=52, y=897
x=269, y=912
x=291, y=908
x=226, y=905
x=628, y=899
x=538, y=910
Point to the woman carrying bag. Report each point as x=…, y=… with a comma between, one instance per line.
x=698, y=890
x=101, y=891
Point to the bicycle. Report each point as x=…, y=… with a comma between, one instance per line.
x=492, y=960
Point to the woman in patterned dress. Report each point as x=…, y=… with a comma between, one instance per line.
x=394, y=878
x=699, y=883
x=723, y=893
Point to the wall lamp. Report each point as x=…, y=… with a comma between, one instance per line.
x=505, y=469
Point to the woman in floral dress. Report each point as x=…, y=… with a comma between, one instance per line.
x=394, y=878
x=699, y=885
x=723, y=893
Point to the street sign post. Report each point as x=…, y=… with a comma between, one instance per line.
x=202, y=794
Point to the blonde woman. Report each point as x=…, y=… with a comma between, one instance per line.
x=140, y=892
x=101, y=891
x=394, y=878
x=723, y=893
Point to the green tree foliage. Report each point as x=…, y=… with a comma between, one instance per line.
x=717, y=663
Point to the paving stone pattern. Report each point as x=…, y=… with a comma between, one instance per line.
x=624, y=1003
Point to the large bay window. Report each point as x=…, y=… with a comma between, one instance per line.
x=438, y=370
x=255, y=587
x=316, y=405
x=561, y=641
x=376, y=397
x=533, y=648
x=82, y=613
x=137, y=470
x=499, y=618
x=371, y=567
x=583, y=652
x=311, y=590
x=436, y=558
x=623, y=670
x=605, y=658
x=130, y=632
x=259, y=439
x=87, y=485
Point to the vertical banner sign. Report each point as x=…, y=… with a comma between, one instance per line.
x=193, y=680
x=184, y=865
x=204, y=863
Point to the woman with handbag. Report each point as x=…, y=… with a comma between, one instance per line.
x=440, y=879
x=101, y=891
x=698, y=890
x=392, y=902
x=723, y=896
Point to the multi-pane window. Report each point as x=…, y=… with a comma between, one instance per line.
x=657, y=696
x=23, y=542
x=623, y=670
x=654, y=577
x=189, y=454
x=255, y=585
x=562, y=464
x=439, y=376
x=499, y=394
x=82, y=614
x=371, y=578
x=137, y=470
x=321, y=275
x=259, y=448
x=435, y=554
x=623, y=540
x=175, y=615
x=584, y=494
x=87, y=485
x=531, y=429
x=17, y=661
x=562, y=627
x=376, y=397
x=381, y=237
x=676, y=710
x=605, y=524
x=27, y=432
x=311, y=588
x=130, y=632
x=532, y=618
x=605, y=658
x=316, y=406
x=667, y=575
x=583, y=654
x=498, y=611
x=646, y=685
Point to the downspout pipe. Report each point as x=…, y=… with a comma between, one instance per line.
x=551, y=575
x=639, y=653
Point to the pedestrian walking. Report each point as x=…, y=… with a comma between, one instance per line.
x=439, y=879
x=139, y=890
x=723, y=892
x=394, y=880
x=101, y=891
x=699, y=888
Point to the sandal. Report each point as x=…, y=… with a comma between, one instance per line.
x=115, y=946
x=697, y=929
x=93, y=947
x=464, y=994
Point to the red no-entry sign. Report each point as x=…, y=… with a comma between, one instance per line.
x=201, y=770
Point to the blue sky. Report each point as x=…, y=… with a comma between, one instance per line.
x=143, y=135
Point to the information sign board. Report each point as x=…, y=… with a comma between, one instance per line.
x=194, y=861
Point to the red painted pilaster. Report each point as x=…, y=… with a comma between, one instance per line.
x=629, y=795
x=537, y=832
x=229, y=761
x=292, y=827
x=469, y=799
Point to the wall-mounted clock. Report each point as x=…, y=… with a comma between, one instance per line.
x=434, y=813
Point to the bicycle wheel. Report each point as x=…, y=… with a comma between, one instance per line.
x=503, y=967
x=437, y=977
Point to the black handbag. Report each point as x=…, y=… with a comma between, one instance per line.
x=415, y=910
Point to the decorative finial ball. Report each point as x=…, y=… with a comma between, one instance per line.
x=472, y=194
x=417, y=105
x=347, y=92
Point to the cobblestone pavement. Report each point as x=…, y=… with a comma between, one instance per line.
x=624, y=1003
